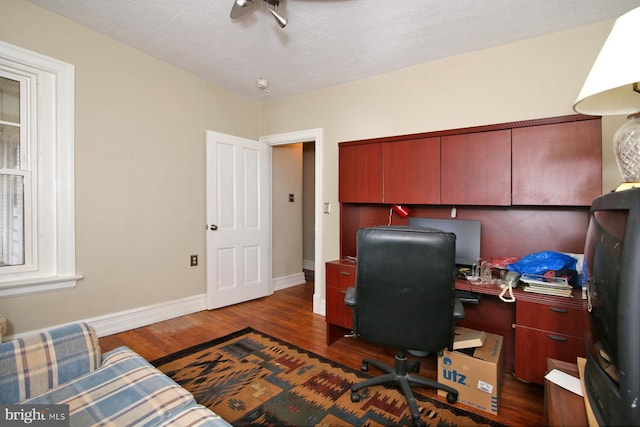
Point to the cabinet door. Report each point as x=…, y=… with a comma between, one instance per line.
x=412, y=171
x=558, y=164
x=360, y=173
x=337, y=312
x=476, y=169
x=339, y=278
x=533, y=346
x=550, y=317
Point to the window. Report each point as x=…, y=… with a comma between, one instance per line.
x=37, y=231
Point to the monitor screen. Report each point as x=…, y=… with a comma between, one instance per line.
x=467, y=236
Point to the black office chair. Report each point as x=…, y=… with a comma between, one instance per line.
x=404, y=298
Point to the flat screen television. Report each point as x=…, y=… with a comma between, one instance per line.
x=467, y=236
x=612, y=333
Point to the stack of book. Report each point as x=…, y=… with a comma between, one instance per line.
x=546, y=285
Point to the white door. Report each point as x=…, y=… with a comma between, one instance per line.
x=238, y=259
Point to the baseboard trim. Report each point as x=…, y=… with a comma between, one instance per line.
x=142, y=316
x=285, y=282
x=121, y=321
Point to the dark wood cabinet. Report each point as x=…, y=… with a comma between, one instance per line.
x=530, y=184
x=545, y=162
x=401, y=172
x=476, y=168
x=339, y=317
x=412, y=171
x=561, y=406
x=557, y=164
x=549, y=328
x=360, y=173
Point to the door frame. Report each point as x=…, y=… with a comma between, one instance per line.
x=315, y=135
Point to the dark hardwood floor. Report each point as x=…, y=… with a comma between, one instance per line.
x=288, y=315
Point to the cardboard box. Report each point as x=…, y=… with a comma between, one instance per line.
x=466, y=338
x=476, y=376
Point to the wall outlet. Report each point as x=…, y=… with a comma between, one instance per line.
x=194, y=260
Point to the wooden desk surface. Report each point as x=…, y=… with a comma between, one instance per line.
x=562, y=407
x=575, y=301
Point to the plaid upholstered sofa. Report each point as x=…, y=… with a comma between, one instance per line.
x=64, y=365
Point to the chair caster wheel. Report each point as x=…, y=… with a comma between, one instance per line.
x=416, y=368
x=418, y=422
x=364, y=367
x=452, y=398
x=355, y=397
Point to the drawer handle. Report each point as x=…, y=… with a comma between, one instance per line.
x=558, y=338
x=345, y=273
x=558, y=310
x=343, y=291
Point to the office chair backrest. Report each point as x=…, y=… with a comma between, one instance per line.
x=405, y=284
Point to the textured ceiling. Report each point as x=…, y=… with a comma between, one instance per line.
x=326, y=42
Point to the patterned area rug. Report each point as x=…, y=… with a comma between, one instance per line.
x=250, y=378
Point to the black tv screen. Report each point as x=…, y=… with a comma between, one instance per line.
x=612, y=335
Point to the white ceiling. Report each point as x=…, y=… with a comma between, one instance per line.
x=326, y=42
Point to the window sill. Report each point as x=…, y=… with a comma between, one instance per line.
x=36, y=285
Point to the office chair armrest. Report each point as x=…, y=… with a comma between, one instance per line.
x=350, y=297
x=458, y=309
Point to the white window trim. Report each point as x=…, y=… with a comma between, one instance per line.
x=56, y=188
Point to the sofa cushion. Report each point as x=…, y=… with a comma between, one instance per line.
x=195, y=416
x=126, y=390
x=32, y=365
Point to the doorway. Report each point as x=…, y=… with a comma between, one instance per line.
x=292, y=209
x=307, y=137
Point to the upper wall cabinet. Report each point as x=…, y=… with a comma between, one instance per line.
x=557, y=164
x=476, y=168
x=412, y=171
x=544, y=162
x=360, y=173
x=399, y=172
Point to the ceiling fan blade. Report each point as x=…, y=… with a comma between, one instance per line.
x=240, y=7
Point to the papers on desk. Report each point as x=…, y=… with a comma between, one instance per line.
x=565, y=381
x=546, y=285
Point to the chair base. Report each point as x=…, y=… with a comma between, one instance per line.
x=400, y=376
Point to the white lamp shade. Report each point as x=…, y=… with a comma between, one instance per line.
x=608, y=89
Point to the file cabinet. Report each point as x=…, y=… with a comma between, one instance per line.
x=547, y=327
x=340, y=275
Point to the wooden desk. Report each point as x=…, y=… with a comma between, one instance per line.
x=533, y=328
x=562, y=407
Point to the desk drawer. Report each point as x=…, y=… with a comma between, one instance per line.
x=555, y=318
x=338, y=313
x=341, y=276
x=533, y=347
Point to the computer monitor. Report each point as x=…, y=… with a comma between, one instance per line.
x=467, y=236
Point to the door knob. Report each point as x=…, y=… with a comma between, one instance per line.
x=213, y=227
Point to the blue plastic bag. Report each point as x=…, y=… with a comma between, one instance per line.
x=541, y=262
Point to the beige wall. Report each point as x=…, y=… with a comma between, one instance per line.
x=140, y=127
x=140, y=167
x=286, y=220
x=530, y=79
